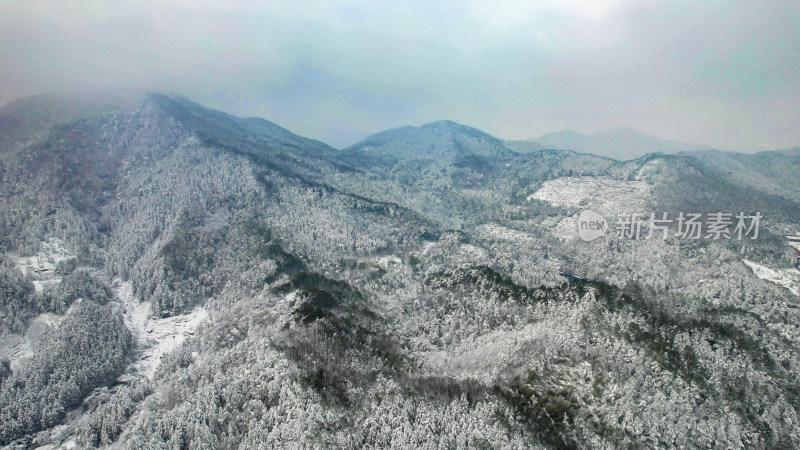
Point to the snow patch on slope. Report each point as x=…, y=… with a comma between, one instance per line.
x=154, y=336
x=18, y=348
x=602, y=194
x=42, y=265
x=564, y=228
x=15, y=348
x=504, y=233
x=387, y=262
x=788, y=278
x=649, y=169
x=607, y=196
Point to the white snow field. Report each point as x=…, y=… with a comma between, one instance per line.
x=42, y=265
x=154, y=336
x=788, y=278
x=18, y=348
x=607, y=196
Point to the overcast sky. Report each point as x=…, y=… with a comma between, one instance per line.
x=725, y=74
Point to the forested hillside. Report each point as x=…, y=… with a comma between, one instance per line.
x=176, y=277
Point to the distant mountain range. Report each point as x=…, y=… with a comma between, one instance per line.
x=447, y=140
x=621, y=144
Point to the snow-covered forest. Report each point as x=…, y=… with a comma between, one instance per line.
x=175, y=277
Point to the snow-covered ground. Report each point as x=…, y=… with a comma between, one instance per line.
x=504, y=233
x=607, y=196
x=42, y=265
x=154, y=336
x=788, y=278
x=18, y=348
x=15, y=348
x=564, y=228
x=649, y=169
x=602, y=194
x=466, y=252
x=387, y=262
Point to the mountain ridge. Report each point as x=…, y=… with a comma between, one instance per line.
x=443, y=140
x=43, y=110
x=620, y=143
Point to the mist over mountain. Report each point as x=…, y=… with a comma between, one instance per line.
x=172, y=276
x=617, y=143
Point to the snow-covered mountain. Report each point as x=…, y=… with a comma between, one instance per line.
x=174, y=276
x=621, y=144
x=443, y=141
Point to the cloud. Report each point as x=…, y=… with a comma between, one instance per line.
x=719, y=73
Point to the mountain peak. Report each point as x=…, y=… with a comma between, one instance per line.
x=444, y=125
x=440, y=123
x=440, y=140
